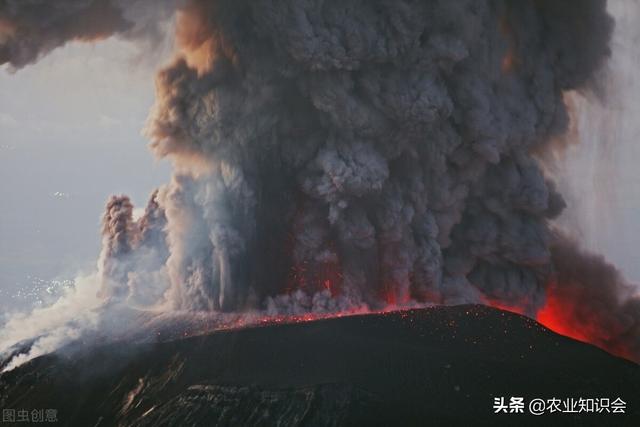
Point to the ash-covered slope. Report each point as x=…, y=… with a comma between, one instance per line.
x=436, y=366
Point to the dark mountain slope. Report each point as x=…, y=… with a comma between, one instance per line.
x=435, y=366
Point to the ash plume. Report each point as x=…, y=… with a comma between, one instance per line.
x=29, y=29
x=377, y=151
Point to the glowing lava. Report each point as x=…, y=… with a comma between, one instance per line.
x=555, y=316
x=562, y=313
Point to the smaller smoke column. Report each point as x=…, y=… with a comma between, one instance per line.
x=131, y=263
x=118, y=235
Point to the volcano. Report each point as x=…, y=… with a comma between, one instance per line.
x=439, y=365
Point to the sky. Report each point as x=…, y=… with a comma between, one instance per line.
x=70, y=136
x=600, y=177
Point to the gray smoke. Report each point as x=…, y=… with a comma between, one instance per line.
x=29, y=29
x=131, y=264
x=375, y=151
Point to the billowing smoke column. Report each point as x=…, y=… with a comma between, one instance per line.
x=367, y=152
x=332, y=155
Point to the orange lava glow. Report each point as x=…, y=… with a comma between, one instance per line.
x=554, y=316
x=390, y=297
x=563, y=314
